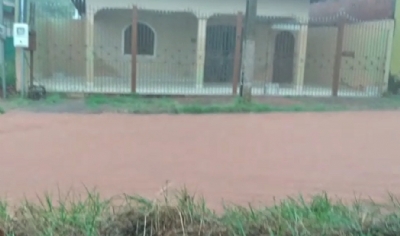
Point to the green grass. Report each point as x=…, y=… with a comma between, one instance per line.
x=137, y=104
x=145, y=105
x=184, y=214
x=16, y=101
x=2, y=111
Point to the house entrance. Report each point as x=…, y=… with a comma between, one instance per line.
x=220, y=53
x=283, y=58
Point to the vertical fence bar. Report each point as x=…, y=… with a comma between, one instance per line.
x=134, y=48
x=338, y=56
x=238, y=52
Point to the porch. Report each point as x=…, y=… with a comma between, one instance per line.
x=188, y=53
x=183, y=52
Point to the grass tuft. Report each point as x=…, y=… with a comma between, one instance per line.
x=186, y=214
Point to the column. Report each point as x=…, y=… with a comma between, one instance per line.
x=89, y=42
x=301, y=55
x=395, y=51
x=201, y=50
x=238, y=53
x=390, y=29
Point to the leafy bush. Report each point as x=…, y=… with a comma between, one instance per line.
x=393, y=84
x=10, y=74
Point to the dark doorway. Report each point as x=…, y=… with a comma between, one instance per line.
x=220, y=53
x=283, y=58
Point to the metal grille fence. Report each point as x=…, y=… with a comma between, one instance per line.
x=143, y=51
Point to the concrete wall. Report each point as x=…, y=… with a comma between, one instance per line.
x=320, y=57
x=60, y=48
x=369, y=41
x=298, y=8
x=175, y=44
x=395, y=62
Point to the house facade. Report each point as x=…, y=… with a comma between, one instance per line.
x=367, y=41
x=187, y=42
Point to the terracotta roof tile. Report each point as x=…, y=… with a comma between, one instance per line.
x=365, y=10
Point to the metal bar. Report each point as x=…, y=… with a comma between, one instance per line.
x=31, y=68
x=22, y=19
x=32, y=11
x=134, y=49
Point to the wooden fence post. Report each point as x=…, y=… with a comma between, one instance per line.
x=238, y=52
x=134, y=49
x=338, y=56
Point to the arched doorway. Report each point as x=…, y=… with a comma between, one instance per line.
x=220, y=53
x=283, y=58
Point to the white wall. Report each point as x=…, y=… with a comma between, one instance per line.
x=297, y=8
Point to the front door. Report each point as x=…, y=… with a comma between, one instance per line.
x=283, y=58
x=220, y=52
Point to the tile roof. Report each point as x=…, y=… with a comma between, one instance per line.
x=364, y=10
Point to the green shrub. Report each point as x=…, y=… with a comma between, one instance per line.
x=393, y=84
x=10, y=74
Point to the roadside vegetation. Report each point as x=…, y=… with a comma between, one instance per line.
x=151, y=105
x=136, y=104
x=185, y=214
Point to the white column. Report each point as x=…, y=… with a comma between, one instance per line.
x=302, y=53
x=201, y=50
x=89, y=30
x=389, y=49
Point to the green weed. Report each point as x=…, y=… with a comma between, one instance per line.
x=185, y=214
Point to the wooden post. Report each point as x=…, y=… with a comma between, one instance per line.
x=338, y=56
x=238, y=52
x=32, y=40
x=134, y=49
x=249, y=49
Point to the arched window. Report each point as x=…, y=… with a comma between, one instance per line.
x=145, y=40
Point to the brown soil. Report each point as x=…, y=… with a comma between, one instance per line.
x=238, y=158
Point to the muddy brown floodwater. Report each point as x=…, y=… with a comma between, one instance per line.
x=235, y=158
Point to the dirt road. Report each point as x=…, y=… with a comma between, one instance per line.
x=237, y=158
